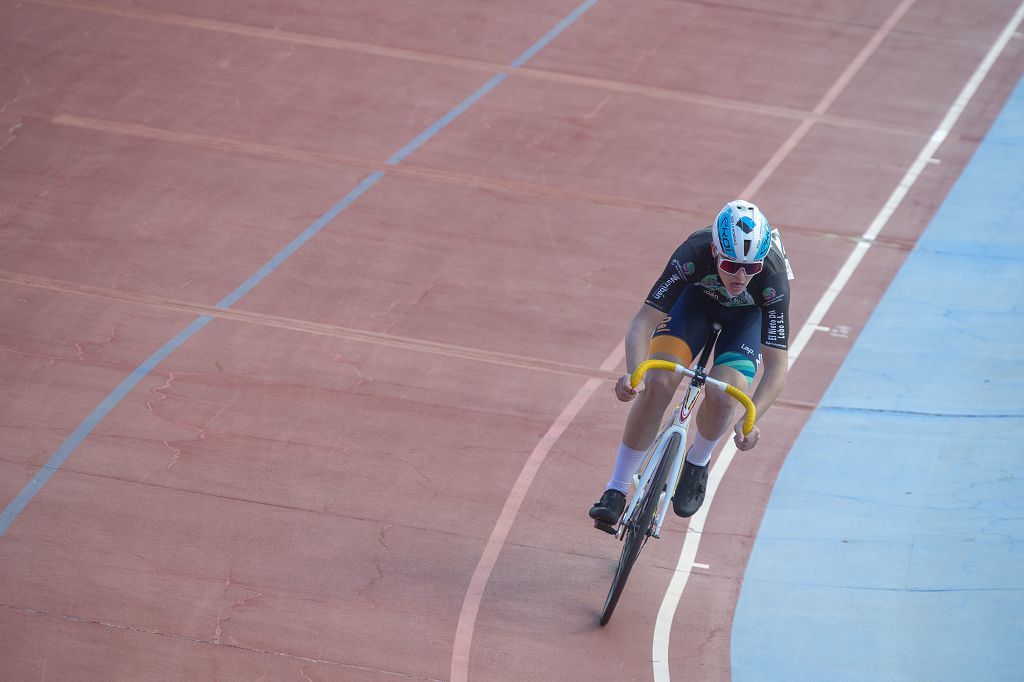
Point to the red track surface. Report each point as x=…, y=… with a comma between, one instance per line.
x=305, y=488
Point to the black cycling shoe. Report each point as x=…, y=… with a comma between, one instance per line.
x=693, y=483
x=607, y=510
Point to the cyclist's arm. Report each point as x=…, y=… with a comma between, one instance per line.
x=638, y=335
x=774, y=339
x=638, y=340
x=775, y=365
x=775, y=368
x=663, y=294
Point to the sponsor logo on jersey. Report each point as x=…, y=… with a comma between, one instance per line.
x=663, y=289
x=771, y=295
x=776, y=329
x=684, y=269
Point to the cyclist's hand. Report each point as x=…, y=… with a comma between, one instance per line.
x=748, y=441
x=625, y=392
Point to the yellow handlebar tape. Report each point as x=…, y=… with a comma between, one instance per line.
x=641, y=369
x=748, y=422
x=638, y=374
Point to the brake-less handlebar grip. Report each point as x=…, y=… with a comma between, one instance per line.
x=641, y=369
x=748, y=421
x=638, y=375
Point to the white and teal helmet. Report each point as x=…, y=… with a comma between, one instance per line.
x=741, y=233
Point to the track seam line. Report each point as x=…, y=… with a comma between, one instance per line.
x=691, y=542
x=479, y=65
x=336, y=331
x=246, y=500
x=319, y=328
x=222, y=144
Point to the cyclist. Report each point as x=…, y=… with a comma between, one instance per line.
x=736, y=273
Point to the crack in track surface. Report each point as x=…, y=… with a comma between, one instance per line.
x=255, y=650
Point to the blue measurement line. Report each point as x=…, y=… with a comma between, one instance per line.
x=95, y=417
x=552, y=34
x=51, y=467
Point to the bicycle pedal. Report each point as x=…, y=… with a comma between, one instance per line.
x=606, y=527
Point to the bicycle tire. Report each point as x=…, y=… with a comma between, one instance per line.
x=638, y=528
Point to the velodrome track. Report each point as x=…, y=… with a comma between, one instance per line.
x=311, y=316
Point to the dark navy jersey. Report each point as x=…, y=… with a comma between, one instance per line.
x=692, y=264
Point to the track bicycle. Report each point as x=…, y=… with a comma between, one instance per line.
x=654, y=488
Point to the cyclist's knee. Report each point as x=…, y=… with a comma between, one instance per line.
x=719, y=404
x=718, y=400
x=660, y=386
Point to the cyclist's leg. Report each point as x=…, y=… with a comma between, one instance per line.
x=736, y=363
x=736, y=360
x=676, y=339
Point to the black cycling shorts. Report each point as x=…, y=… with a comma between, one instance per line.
x=682, y=334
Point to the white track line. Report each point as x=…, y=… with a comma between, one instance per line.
x=688, y=554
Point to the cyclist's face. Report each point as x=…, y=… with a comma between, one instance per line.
x=736, y=283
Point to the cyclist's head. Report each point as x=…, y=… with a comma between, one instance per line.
x=741, y=233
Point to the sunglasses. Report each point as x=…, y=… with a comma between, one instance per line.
x=732, y=267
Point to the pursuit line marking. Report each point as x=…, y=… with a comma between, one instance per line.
x=507, y=517
x=691, y=542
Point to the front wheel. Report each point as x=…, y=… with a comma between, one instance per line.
x=638, y=528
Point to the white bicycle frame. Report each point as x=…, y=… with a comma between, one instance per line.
x=680, y=423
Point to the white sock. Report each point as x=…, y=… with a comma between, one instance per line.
x=626, y=465
x=700, y=452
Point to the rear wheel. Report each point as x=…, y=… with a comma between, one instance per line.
x=638, y=528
